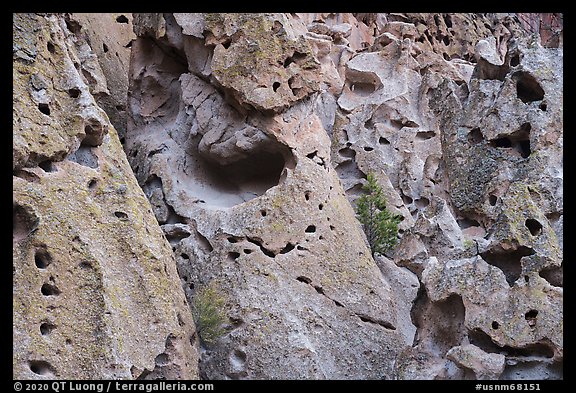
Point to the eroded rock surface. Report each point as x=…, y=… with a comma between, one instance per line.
x=451, y=113
x=251, y=135
x=250, y=201
x=110, y=38
x=96, y=293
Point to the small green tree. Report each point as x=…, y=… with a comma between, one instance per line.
x=380, y=225
x=209, y=312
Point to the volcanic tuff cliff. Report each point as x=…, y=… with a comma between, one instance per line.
x=249, y=137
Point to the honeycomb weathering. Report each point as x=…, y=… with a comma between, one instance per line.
x=161, y=154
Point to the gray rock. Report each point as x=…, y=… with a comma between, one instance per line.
x=252, y=135
x=96, y=292
x=484, y=365
x=270, y=225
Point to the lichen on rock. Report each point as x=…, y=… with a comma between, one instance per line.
x=96, y=293
x=228, y=151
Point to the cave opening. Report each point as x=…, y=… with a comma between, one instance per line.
x=224, y=186
x=527, y=88
x=509, y=261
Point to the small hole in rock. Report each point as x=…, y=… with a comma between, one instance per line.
x=492, y=199
x=304, y=279
x=307, y=195
x=232, y=239
x=383, y=141
x=47, y=166
x=44, y=108
x=185, y=256
x=104, y=47
x=46, y=328
x=554, y=275
x=533, y=226
x=162, y=360
x=74, y=92
x=121, y=215
x=50, y=47
x=276, y=27
x=495, y=325
x=543, y=107
x=122, y=19
x=68, y=341
x=515, y=60
x=247, y=251
x=465, y=223
x=320, y=206
x=41, y=367
x=310, y=229
x=85, y=156
x=509, y=261
x=289, y=247
x=297, y=57
x=368, y=148
x=363, y=89
x=26, y=175
x=233, y=255
x=530, y=316
x=406, y=199
x=422, y=202
x=425, y=135
x=226, y=44
x=24, y=221
x=42, y=259
x=527, y=88
x=275, y=86
x=332, y=227
x=85, y=265
x=73, y=26
x=128, y=45
x=446, y=41
x=49, y=290
x=501, y=142
x=92, y=184
x=524, y=148
x=475, y=136
x=263, y=213
x=347, y=152
x=526, y=279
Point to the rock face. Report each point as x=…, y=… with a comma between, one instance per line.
x=96, y=292
x=251, y=202
x=247, y=131
x=110, y=39
x=251, y=136
x=502, y=152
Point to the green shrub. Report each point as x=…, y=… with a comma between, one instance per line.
x=209, y=312
x=379, y=224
